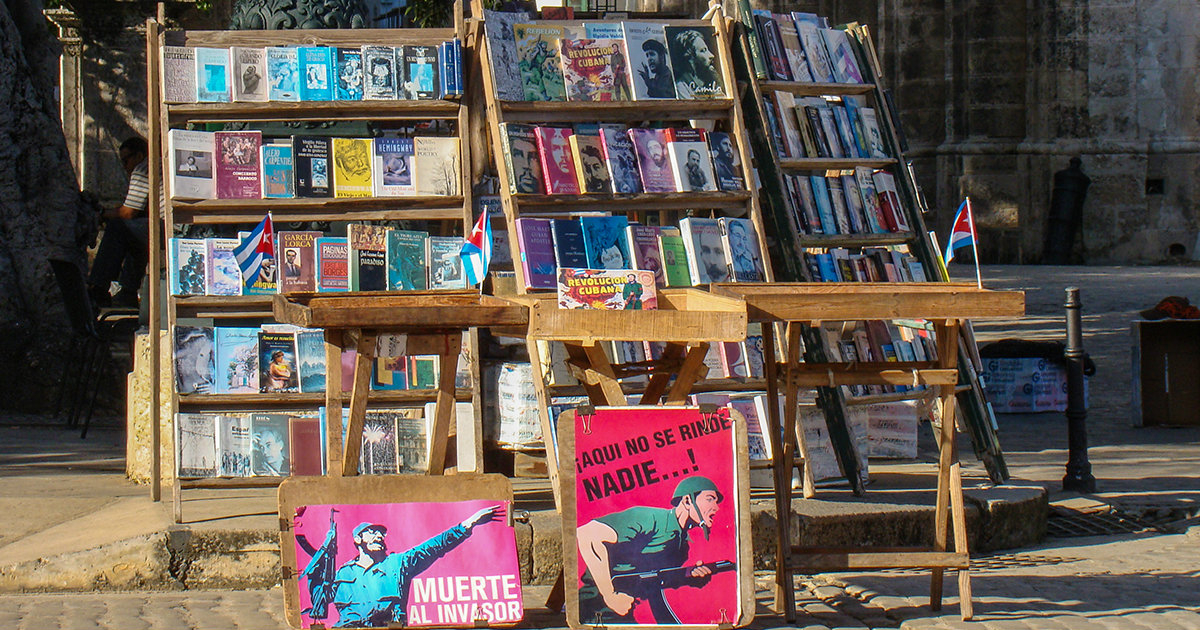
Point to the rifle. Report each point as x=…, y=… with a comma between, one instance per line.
x=649, y=585
x=320, y=572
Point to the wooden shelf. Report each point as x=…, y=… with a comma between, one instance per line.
x=311, y=110
x=854, y=240
x=227, y=211
x=567, y=204
x=231, y=482
x=223, y=307
x=416, y=311
x=832, y=164
x=702, y=386
x=842, y=301
x=817, y=89
x=278, y=401
x=309, y=37
x=614, y=111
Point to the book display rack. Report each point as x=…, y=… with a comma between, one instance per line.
x=450, y=208
x=834, y=180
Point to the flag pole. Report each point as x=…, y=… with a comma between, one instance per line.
x=974, y=244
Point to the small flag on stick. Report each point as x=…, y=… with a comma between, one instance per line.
x=255, y=249
x=962, y=234
x=476, y=252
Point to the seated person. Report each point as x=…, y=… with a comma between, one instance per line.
x=122, y=254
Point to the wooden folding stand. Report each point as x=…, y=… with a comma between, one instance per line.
x=433, y=323
x=796, y=304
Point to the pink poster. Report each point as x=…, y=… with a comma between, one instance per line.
x=412, y=564
x=657, y=516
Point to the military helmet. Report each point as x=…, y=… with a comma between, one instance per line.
x=691, y=486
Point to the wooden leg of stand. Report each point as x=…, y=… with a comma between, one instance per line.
x=785, y=595
x=794, y=441
x=543, y=398
x=692, y=370
x=958, y=516
x=333, y=400
x=358, y=403
x=657, y=385
x=444, y=407
x=597, y=376
x=558, y=594
x=947, y=339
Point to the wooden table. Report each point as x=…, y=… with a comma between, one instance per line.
x=433, y=323
x=793, y=305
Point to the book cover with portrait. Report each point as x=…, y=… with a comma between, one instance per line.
x=558, y=166
x=352, y=167
x=297, y=255
x=277, y=363
x=694, y=61
x=238, y=165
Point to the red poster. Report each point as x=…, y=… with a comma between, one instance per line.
x=656, y=507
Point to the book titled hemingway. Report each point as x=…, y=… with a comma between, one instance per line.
x=352, y=167
x=297, y=256
x=333, y=255
x=538, y=61
x=392, y=167
x=368, y=257
x=606, y=289
x=596, y=70
x=239, y=173
x=558, y=165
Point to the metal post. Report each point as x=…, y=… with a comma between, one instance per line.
x=1079, y=470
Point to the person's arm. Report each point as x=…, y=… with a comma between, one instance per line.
x=423, y=555
x=136, y=196
x=594, y=538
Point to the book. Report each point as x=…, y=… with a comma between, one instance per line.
x=352, y=167
x=815, y=52
x=233, y=445
x=393, y=167
x=297, y=252
x=278, y=174
x=742, y=252
x=595, y=70
x=306, y=445
x=772, y=42
x=436, y=164
x=841, y=56
x=537, y=48
x=445, y=262
x=389, y=373
x=379, y=73
x=654, y=165
x=310, y=162
x=643, y=247
x=756, y=48
x=249, y=68
x=186, y=269
x=236, y=360
x=705, y=254
x=605, y=243
x=222, y=276
x=196, y=435
x=333, y=271
x=727, y=164
x=316, y=73
x=502, y=52
x=820, y=191
x=190, y=154
x=646, y=45
x=754, y=410
x=407, y=268
x=870, y=199
x=283, y=72
x=871, y=130
x=423, y=372
x=793, y=50
x=212, y=75
x=412, y=443
x=569, y=250
x=193, y=359
x=538, y=261
x=837, y=202
x=854, y=203
x=694, y=61
x=733, y=360
x=755, y=356
x=179, y=74
x=785, y=104
x=674, y=258
x=277, y=363
x=310, y=360
x=693, y=167
x=830, y=132
x=590, y=169
x=238, y=168
x=889, y=201
x=378, y=455
x=349, y=74
x=269, y=445
x=368, y=257
x=521, y=160
x=558, y=167
x=620, y=159
x=606, y=289
x=420, y=73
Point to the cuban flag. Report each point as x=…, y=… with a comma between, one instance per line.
x=259, y=245
x=476, y=252
x=962, y=234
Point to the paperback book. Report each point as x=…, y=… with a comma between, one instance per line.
x=521, y=160
x=193, y=359
x=742, y=253
x=643, y=244
x=502, y=52
x=278, y=174
x=727, y=165
x=179, y=74
x=393, y=167
x=191, y=164
x=705, y=255
x=437, y=166
x=536, y=242
x=445, y=263
x=368, y=257
x=649, y=60
x=333, y=255
x=379, y=73
x=233, y=445
x=298, y=253
x=236, y=360
x=694, y=62
x=558, y=167
x=212, y=75
x=420, y=73
x=310, y=157
x=537, y=48
x=674, y=258
x=693, y=167
x=238, y=172
x=306, y=445
x=606, y=289
x=277, y=363
x=249, y=68
x=589, y=163
x=349, y=74
x=595, y=70
x=316, y=72
x=186, y=272
x=569, y=250
x=197, y=440
x=269, y=445
x=310, y=359
x=605, y=243
x=283, y=71
x=352, y=167
x=407, y=265
x=620, y=159
x=654, y=165
x=222, y=276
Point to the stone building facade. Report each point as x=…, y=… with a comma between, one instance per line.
x=995, y=96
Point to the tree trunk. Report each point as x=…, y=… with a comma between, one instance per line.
x=41, y=216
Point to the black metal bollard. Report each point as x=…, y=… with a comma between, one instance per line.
x=1079, y=470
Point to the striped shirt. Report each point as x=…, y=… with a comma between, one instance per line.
x=138, y=193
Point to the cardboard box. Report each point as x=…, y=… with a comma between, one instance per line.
x=1166, y=370
x=1026, y=385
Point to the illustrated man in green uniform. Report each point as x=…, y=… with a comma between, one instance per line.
x=638, y=540
x=631, y=293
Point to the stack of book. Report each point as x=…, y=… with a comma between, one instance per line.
x=601, y=61
x=873, y=264
x=802, y=47
x=244, y=165
x=858, y=201
x=610, y=158
x=312, y=73
x=824, y=127
x=369, y=258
